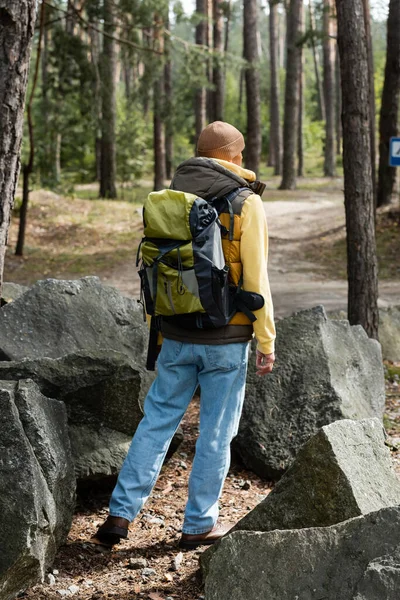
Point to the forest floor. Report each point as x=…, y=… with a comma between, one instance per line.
x=74, y=236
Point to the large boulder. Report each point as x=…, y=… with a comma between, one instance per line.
x=355, y=560
x=389, y=332
x=11, y=291
x=104, y=395
x=54, y=318
x=37, y=484
x=343, y=471
x=325, y=370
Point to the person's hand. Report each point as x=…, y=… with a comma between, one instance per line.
x=264, y=363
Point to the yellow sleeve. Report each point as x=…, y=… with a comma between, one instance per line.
x=254, y=258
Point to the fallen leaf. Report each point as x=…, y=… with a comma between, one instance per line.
x=169, y=576
x=137, y=588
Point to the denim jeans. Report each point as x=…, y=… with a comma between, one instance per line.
x=221, y=373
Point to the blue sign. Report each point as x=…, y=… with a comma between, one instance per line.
x=394, y=154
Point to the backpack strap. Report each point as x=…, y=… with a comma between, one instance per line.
x=152, y=352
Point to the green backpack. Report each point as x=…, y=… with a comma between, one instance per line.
x=184, y=277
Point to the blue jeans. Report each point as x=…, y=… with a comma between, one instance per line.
x=221, y=373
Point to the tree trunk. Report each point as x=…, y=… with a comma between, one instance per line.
x=97, y=104
x=371, y=102
x=28, y=167
x=338, y=88
x=388, y=125
x=217, y=95
x=227, y=26
x=200, y=101
x=291, y=120
x=158, y=110
x=320, y=96
x=169, y=129
x=358, y=191
x=252, y=78
x=275, y=125
x=108, y=161
x=209, y=61
x=300, y=142
x=329, y=90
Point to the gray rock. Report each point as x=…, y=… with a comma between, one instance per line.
x=98, y=453
x=330, y=563
x=54, y=318
x=343, y=471
x=137, y=563
x=12, y=291
x=381, y=578
x=104, y=395
x=325, y=370
x=389, y=332
x=37, y=484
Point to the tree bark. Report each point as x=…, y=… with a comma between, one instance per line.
x=252, y=78
x=358, y=189
x=275, y=125
x=200, y=100
x=329, y=90
x=28, y=167
x=300, y=142
x=217, y=95
x=108, y=161
x=371, y=101
x=338, y=106
x=97, y=104
x=209, y=61
x=291, y=119
x=389, y=125
x=168, y=108
x=158, y=112
x=320, y=95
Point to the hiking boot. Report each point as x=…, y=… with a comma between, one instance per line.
x=111, y=532
x=191, y=541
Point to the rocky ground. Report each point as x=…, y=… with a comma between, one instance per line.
x=150, y=565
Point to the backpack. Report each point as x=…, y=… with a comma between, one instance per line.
x=184, y=277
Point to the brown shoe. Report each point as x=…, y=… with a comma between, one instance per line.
x=190, y=542
x=111, y=532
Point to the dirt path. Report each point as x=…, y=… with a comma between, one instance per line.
x=296, y=283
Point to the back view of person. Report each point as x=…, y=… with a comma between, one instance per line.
x=216, y=359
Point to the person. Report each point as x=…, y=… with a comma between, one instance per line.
x=214, y=359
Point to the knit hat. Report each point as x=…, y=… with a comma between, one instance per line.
x=220, y=140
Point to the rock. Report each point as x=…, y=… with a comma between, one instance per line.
x=137, y=563
x=325, y=370
x=37, y=484
x=104, y=397
x=389, y=332
x=11, y=291
x=146, y=572
x=74, y=589
x=51, y=580
x=177, y=562
x=343, y=471
x=334, y=563
x=54, y=318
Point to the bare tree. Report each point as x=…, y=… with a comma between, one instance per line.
x=329, y=46
x=108, y=161
x=371, y=100
x=17, y=22
x=158, y=108
x=217, y=94
x=292, y=88
x=168, y=112
x=358, y=187
x=320, y=96
x=252, y=76
x=200, y=102
x=275, y=135
x=28, y=167
x=389, y=117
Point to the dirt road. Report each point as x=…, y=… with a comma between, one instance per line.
x=296, y=283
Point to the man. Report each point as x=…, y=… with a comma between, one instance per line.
x=214, y=359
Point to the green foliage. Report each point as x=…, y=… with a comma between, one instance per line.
x=133, y=141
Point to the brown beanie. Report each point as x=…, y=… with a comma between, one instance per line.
x=220, y=140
